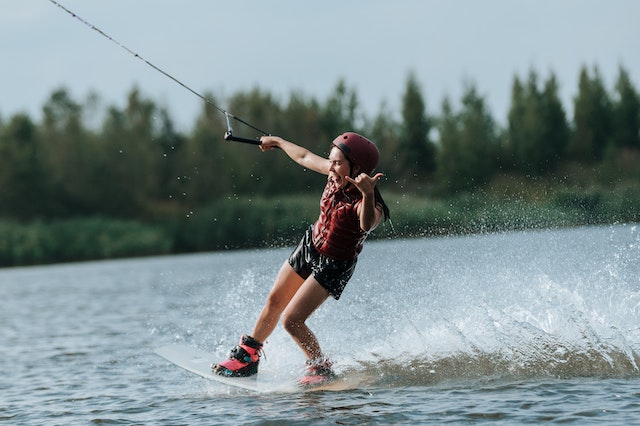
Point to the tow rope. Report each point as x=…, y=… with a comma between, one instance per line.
x=228, y=134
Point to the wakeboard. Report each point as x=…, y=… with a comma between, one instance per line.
x=198, y=362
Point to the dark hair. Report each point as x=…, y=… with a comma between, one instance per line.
x=379, y=200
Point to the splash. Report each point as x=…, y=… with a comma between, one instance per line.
x=552, y=304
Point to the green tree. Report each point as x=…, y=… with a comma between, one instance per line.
x=70, y=151
x=554, y=128
x=626, y=113
x=538, y=129
x=340, y=113
x=131, y=158
x=172, y=144
x=203, y=172
x=450, y=147
x=384, y=131
x=417, y=151
x=468, y=144
x=517, y=137
x=591, y=117
x=22, y=172
x=303, y=118
x=251, y=171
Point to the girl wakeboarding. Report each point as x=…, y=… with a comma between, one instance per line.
x=323, y=262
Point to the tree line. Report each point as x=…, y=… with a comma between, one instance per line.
x=82, y=160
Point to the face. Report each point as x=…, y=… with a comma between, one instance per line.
x=339, y=167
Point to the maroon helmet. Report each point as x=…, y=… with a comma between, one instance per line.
x=359, y=150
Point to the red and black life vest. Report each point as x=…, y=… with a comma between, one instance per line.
x=337, y=232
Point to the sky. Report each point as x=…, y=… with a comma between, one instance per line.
x=281, y=46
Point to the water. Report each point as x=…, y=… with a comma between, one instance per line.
x=509, y=328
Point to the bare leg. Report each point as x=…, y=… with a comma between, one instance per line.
x=284, y=288
x=308, y=298
x=286, y=285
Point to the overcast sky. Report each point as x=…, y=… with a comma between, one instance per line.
x=284, y=45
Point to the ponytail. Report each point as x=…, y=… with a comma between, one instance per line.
x=380, y=200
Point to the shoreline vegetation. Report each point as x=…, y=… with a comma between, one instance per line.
x=245, y=223
x=91, y=181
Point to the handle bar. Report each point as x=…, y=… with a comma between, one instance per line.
x=228, y=136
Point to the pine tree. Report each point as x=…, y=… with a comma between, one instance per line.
x=448, y=175
x=626, y=113
x=516, y=131
x=468, y=144
x=538, y=129
x=198, y=179
x=251, y=171
x=131, y=155
x=340, y=113
x=23, y=188
x=554, y=128
x=417, y=151
x=71, y=155
x=592, y=119
x=384, y=131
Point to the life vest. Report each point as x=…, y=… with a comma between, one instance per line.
x=336, y=233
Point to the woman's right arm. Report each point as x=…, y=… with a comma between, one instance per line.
x=300, y=155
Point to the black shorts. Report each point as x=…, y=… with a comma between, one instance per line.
x=332, y=274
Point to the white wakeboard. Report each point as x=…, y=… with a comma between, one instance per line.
x=199, y=362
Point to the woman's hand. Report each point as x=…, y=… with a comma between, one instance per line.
x=270, y=142
x=369, y=212
x=365, y=183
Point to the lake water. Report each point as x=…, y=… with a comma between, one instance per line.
x=511, y=328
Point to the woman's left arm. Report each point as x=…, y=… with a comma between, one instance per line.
x=370, y=214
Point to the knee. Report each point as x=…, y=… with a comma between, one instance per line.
x=275, y=302
x=290, y=322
